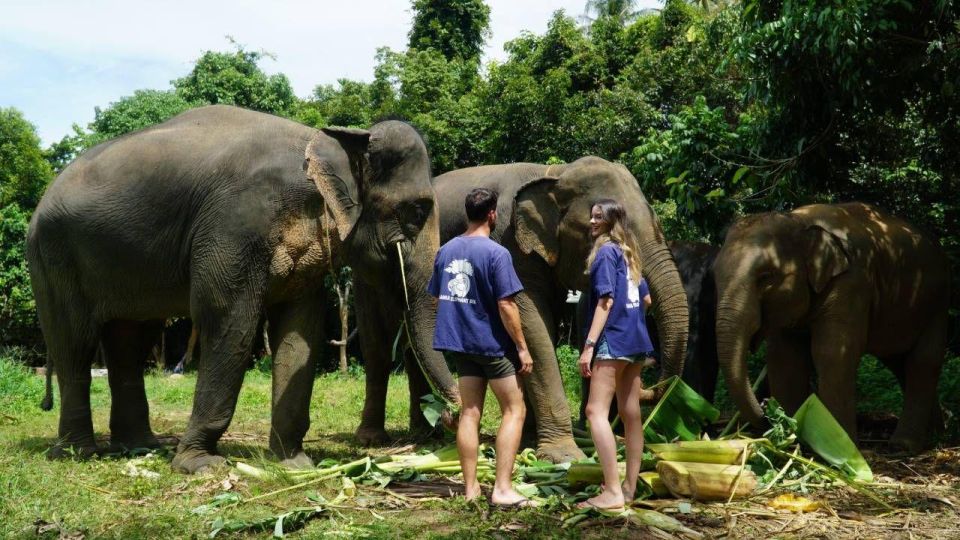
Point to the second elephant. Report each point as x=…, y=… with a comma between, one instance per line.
x=823, y=285
x=544, y=214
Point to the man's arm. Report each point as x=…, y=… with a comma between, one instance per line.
x=510, y=315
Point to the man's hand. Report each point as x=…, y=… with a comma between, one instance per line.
x=526, y=362
x=585, y=357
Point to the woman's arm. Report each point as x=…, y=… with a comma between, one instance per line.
x=600, y=315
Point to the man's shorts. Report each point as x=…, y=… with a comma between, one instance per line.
x=486, y=367
x=603, y=353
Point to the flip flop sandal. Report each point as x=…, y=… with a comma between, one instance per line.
x=601, y=509
x=519, y=505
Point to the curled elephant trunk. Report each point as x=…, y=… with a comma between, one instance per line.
x=420, y=320
x=670, y=301
x=735, y=327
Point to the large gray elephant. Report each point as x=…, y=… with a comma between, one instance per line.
x=823, y=285
x=544, y=214
x=224, y=214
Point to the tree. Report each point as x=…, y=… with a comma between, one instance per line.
x=18, y=310
x=24, y=172
x=455, y=28
x=621, y=11
x=131, y=113
x=236, y=79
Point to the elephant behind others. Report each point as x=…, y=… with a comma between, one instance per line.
x=223, y=215
x=824, y=285
x=543, y=220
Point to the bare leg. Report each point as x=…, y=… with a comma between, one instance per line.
x=629, y=390
x=603, y=383
x=472, y=392
x=509, y=394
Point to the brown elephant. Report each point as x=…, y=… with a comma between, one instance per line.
x=228, y=215
x=823, y=285
x=543, y=220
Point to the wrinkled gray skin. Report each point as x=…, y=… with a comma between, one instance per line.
x=224, y=214
x=824, y=285
x=543, y=220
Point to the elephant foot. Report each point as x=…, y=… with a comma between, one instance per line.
x=372, y=436
x=298, y=461
x=560, y=452
x=124, y=443
x=196, y=461
x=72, y=451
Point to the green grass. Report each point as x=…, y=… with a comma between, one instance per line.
x=95, y=498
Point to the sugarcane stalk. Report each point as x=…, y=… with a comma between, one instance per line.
x=722, y=452
x=677, y=477
x=652, y=479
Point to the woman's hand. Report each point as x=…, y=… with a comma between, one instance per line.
x=585, y=357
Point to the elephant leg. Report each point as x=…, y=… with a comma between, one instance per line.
x=922, y=416
x=836, y=348
x=227, y=320
x=71, y=348
x=72, y=339
x=127, y=345
x=789, y=369
x=544, y=386
x=376, y=334
x=419, y=387
x=296, y=333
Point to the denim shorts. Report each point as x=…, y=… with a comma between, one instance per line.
x=603, y=353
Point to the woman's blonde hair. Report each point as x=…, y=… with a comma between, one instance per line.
x=620, y=234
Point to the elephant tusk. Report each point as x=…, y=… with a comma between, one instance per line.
x=403, y=276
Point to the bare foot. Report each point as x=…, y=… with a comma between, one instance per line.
x=507, y=497
x=473, y=492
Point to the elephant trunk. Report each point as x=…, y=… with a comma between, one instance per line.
x=670, y=306
x=737, y=322
x=420, y=320
x=421, y=314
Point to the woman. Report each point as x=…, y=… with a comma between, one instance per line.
x=617, y=338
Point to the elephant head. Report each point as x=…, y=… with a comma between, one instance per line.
x=768, y=274
x=551, y=217
x=389, y=225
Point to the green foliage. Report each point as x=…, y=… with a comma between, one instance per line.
x=20, y=390
x=455, y=28
x=131, y=113
x=24, y=172
x=690, y=163
x=235, y=78
x=568, y=358
x=18, y=310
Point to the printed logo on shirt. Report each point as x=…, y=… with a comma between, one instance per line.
x=459, y=284
x=633, y=293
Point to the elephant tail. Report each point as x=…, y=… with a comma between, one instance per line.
x=47, y=403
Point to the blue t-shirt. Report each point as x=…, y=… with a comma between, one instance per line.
x=470, y=274
x=626, y=329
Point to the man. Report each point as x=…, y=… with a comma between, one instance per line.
x=478, y=328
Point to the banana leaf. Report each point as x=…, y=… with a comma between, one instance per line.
x=824, y=435
x=680, y=414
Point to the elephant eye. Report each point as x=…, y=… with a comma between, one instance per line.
x=413, y=215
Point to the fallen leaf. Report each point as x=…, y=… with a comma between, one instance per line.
x=793, y=503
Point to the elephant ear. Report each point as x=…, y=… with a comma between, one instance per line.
x=536, y=219
x=828, y=257
x=329, y=172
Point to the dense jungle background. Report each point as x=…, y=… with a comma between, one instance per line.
x=719, y=109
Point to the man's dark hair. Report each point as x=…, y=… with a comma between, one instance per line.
x=479, y=203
